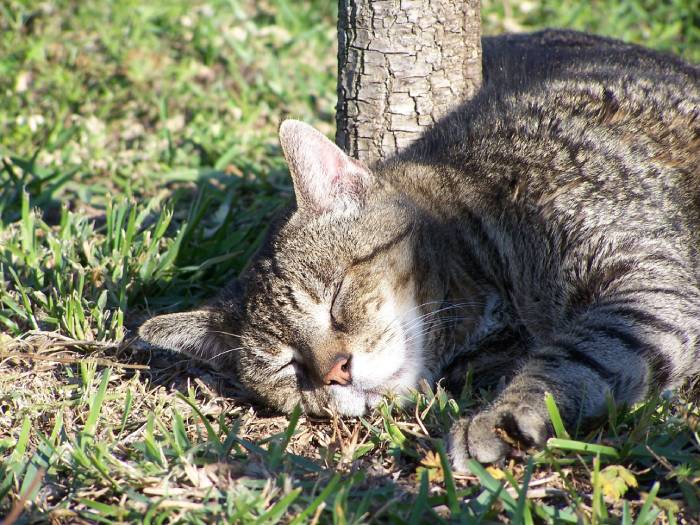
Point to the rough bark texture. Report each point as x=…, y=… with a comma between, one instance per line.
x=402, y=64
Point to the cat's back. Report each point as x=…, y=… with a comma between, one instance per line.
x=578, y=120
x=635, y=94
x=541, y=83
x=521, y=60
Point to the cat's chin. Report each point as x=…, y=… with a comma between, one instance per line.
x=390, y=376
x=353, y=401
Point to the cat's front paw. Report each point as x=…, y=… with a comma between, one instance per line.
x=497, y=433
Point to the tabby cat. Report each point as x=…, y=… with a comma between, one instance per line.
x=545, y=232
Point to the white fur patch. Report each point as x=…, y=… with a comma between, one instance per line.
x=319, y=312
x=395, y=367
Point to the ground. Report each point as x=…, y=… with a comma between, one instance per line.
x=139, y=165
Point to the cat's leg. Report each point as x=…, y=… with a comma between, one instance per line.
x=494, y=360
x=519, y=413
x=624, y=345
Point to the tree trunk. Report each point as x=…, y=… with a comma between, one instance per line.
x=402, y=64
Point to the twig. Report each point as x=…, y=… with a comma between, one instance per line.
x=420, y=422
x=179, y=504
x=32, y=356
x=542, y=481
x=540, y=493
x=381, y=510
x=317, y=514
x=18, y=506
x=535, y=493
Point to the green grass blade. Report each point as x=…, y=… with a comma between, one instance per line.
x=22, y=441
x=626, y=514
x=291, y=427
x=555, y=416
x=450, y=488
x=421, y=502
x=329, y=489
x=211, y=433
x=648, y=514
x=598, y=503
x=522, y=510
x=111, y=511
x=96, y=405
x=278, y=509
x=127, y=410
x=492, y=486
x=582, y=448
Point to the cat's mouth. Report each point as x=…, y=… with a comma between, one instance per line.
x=351, y=400
x=354, y=399
x=392, y=370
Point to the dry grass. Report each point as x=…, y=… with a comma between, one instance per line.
x=138, y=170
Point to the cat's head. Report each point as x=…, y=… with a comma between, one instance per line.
x=329, y=312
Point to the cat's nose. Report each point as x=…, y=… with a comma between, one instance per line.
x=339, y=373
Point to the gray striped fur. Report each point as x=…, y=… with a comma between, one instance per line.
x=546, y=232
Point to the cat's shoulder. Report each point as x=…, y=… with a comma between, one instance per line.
x=522, y=59
x=537, y=81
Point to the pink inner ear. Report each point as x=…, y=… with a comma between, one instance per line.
x=337, y=181
x=324, y=177
x=336, y=176
x=333, y=170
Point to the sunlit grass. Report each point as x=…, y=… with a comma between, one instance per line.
x=139, y=168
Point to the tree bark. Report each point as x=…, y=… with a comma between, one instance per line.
x=402, y=64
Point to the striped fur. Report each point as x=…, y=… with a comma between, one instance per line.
x=546, y=232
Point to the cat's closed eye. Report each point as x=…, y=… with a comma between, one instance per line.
x=288, y=364
x=337, y=321
x=294, y=362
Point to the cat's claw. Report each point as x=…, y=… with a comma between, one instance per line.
x=495, y=434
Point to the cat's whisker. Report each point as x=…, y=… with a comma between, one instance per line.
x=428, y=327
x=465, y=301
x=226, y=352
x=423, y=317
x=431, y=328
x=432, y=314
x=223, y=333
x=461, y=300
x=411, y=310
x=439, y=323
x=419, y=335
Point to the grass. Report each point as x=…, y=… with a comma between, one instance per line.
x=139, y=167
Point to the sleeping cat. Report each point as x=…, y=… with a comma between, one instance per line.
x=546, y=231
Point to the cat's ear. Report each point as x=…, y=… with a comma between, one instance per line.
x=205, y=334
x=325, y=178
